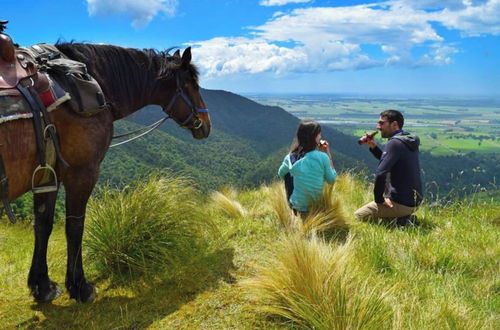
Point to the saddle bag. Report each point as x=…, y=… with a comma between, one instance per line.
x=87, y=98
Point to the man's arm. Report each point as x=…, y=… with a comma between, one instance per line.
x=388, y=158
x=374, y=149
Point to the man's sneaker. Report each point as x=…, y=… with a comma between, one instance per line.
x=408, y=220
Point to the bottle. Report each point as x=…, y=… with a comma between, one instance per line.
x=364, y=138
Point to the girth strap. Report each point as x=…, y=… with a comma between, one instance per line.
x=38, y=110
x=4, y=192
x=37, y=121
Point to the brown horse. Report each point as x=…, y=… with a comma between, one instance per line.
x=130, y=79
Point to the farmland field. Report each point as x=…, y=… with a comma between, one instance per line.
x=446, y=126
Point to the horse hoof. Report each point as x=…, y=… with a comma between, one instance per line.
x=91, y=297
x=88, y=294
x=54, y=292
x=85, y=293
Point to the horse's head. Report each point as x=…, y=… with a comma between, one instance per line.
x=185, y=105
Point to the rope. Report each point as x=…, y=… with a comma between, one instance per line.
x=149, y=128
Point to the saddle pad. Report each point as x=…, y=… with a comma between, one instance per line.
x=13, y=105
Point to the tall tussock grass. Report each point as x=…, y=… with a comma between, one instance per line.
x=310, y=283
x=225, y=200
x=326, y=216
x=352, y=191
x=280, y=206
x=148, y=228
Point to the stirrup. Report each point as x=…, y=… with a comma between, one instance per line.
x=46, y=188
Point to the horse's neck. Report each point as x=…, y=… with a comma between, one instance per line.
x=128, y=86
x=128, y=96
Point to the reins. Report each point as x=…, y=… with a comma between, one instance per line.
x=148, y=129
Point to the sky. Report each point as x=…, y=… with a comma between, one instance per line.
x=395, y=47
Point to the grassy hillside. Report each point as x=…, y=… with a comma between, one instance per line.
x=257, y=266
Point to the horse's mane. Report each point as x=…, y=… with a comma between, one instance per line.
x=125, y=71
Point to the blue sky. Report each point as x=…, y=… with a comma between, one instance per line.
x=423, y=47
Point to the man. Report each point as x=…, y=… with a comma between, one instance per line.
x=398, y=186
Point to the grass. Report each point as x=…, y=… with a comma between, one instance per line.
x=258, y=270
x=312, y=284
x=326, y=215
x=149, y=227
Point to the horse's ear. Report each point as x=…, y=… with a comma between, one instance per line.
x=186, y=57
x=177, y=54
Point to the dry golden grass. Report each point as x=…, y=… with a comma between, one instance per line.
x=327, y=215
x=227, y=203
x=309, y=282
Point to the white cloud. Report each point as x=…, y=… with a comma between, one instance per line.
x=439, y=55
x=441, y=4
x=336, y=38
x=221, y=56
x=474, y=20
x=356, y=24
x=280, y=2
x=141, y=12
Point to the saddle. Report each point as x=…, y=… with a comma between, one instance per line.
x=17, y=66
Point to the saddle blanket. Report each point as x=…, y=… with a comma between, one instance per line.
x=13, y=105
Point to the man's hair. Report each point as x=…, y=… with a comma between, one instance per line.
x=393, y=115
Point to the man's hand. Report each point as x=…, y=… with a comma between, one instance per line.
x=370, y=140
x=387, y=202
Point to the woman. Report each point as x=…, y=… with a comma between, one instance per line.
x=310, y=164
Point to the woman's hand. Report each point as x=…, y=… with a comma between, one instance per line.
x=324, y=146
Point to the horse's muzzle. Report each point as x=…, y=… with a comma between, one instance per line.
x=203, y=131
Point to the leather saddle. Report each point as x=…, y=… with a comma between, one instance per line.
x=18, y=66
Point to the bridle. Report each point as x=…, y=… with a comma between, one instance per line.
x=179, y=92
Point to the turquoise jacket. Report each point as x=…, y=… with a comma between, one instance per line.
x=309, y=173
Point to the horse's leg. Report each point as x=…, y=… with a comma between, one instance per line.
x=79, y=184
x=42, y=288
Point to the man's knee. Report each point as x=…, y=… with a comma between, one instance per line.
x=358, y=215
x=366, y=212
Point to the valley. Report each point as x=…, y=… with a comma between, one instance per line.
x=445, y=125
